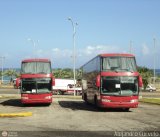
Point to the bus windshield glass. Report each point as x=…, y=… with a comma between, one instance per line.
x=119, y=85
x=36, y=68
x=119, y=64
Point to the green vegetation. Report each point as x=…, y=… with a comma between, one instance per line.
x=11, y=73
x=146, y=75
x=151, y=100
x=66, y=73
x=58, y=73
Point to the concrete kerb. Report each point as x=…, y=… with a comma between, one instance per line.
x=3, y=96
x=67, y=96
x=20, y=114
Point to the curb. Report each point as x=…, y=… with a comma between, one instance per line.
x=6, y=96
x=21, y=114
x=70, y=97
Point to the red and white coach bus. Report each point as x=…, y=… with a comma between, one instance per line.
x=111, y=81
x=36, y=81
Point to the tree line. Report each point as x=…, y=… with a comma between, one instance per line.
x=145, y=72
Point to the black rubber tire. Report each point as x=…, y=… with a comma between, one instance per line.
x=95, y=102
x=126, y=109
x=85, y=99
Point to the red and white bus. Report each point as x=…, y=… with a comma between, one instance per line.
x=111, y=81
x=36, y=81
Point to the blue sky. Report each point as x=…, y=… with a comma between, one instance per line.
x=104, y=26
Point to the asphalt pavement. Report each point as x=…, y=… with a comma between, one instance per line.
x=69, y=116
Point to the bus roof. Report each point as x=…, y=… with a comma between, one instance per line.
x=116, y=54
x=36, y=60
x=111, y=55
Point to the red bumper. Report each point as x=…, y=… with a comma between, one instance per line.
x=118, y=101
x=118, y=105
x=35, y=101
x=36, y=98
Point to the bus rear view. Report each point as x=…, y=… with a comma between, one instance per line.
x=36, y=81
x=111, y=81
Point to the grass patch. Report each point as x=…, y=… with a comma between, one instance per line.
x=151, y=100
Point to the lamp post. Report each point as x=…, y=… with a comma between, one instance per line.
x=74, y=58
x=2, y=58
x=154, y=61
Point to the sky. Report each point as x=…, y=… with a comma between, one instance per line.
x=41, y=29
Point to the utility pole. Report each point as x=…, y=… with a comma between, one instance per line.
x=154, y=61
x=2, y=61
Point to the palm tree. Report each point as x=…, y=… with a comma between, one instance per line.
x=11, y=73
x=63, y=73
x=146, y=75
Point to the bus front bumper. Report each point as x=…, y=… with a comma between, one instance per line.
x=35, y=101
x=118, y=104
x=36, y=98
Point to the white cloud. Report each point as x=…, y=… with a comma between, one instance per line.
x=145, y=49
x=98, y=49
x=64, y=57
x=55, y=49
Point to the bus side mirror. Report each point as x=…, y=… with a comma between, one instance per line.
x=140, y=81
x=53, y=81
x=98, y=81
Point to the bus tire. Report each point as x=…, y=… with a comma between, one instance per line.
x=85, y=98
x=96, y=101
x=48, y=104
x=126, y=109
x=60, y=92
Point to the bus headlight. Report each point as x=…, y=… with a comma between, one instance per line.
x=24, y=97
x=48, y=97
x=105, y=100
x=134, y=100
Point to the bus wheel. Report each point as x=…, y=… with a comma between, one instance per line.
x=95, y=102
x=47, y=104
x=126, y=109
x=85, y=99
x=60, y=92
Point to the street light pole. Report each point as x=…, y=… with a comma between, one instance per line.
x=154, y=61
x=2, y=58
x=74, y=56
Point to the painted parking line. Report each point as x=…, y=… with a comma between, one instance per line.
x=20, y=114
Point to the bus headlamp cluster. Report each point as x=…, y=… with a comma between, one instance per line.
x=24, y=97
x=134, y=100
x=48, y=97
x=105, y=100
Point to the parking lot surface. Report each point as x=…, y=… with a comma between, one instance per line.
x=67, y=113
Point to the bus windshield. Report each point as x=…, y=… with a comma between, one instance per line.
x=36, y=68
x=119, y=64
x=119, y=85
